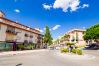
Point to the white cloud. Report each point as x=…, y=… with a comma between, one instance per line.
x=67, y=5
x=74, y=5
x=17, y=10
x=47, y=7
x=56, y=27
x=44, y=29
x=85, y=5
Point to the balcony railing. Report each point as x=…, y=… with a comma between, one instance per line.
x=9, y=40
x=11, y=31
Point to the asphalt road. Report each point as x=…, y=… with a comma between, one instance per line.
x=47, y=58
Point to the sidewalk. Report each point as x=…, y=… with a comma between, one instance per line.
x=19, y=52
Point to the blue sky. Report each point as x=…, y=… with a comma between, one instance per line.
x=60, y=15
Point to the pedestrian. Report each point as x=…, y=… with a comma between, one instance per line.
x=14, y=46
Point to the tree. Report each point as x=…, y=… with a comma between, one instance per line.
x=47, y=37
x=92, y=33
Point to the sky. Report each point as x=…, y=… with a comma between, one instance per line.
x=60, y=15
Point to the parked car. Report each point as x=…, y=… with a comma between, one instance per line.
x=94, y=46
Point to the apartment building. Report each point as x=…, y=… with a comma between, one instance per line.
x=76, y=36
x=11, y=31
x=72, y=36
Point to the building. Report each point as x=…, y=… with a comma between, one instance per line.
x=72, y=36
x=76, y=36
x=11, y=31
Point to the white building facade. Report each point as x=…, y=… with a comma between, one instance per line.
x=73, y=36
x=76, y=36
x=11, y=31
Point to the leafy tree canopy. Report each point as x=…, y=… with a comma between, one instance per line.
x=92, y=33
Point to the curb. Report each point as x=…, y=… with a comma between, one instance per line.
x=19, y=52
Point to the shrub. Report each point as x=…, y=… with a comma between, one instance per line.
x=79, y=52
x=20, y=46
x=30, y=46
x=74, y=51
x=64, y=50
x=70, y=43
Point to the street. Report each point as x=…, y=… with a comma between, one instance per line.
x=48, y=58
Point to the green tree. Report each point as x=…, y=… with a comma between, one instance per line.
x=92, y=33
x=47, y=37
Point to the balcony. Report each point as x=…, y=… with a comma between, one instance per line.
x=9, y=40
x=11, y=31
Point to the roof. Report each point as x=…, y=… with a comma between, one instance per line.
x=79, y=30
x=19, y=24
